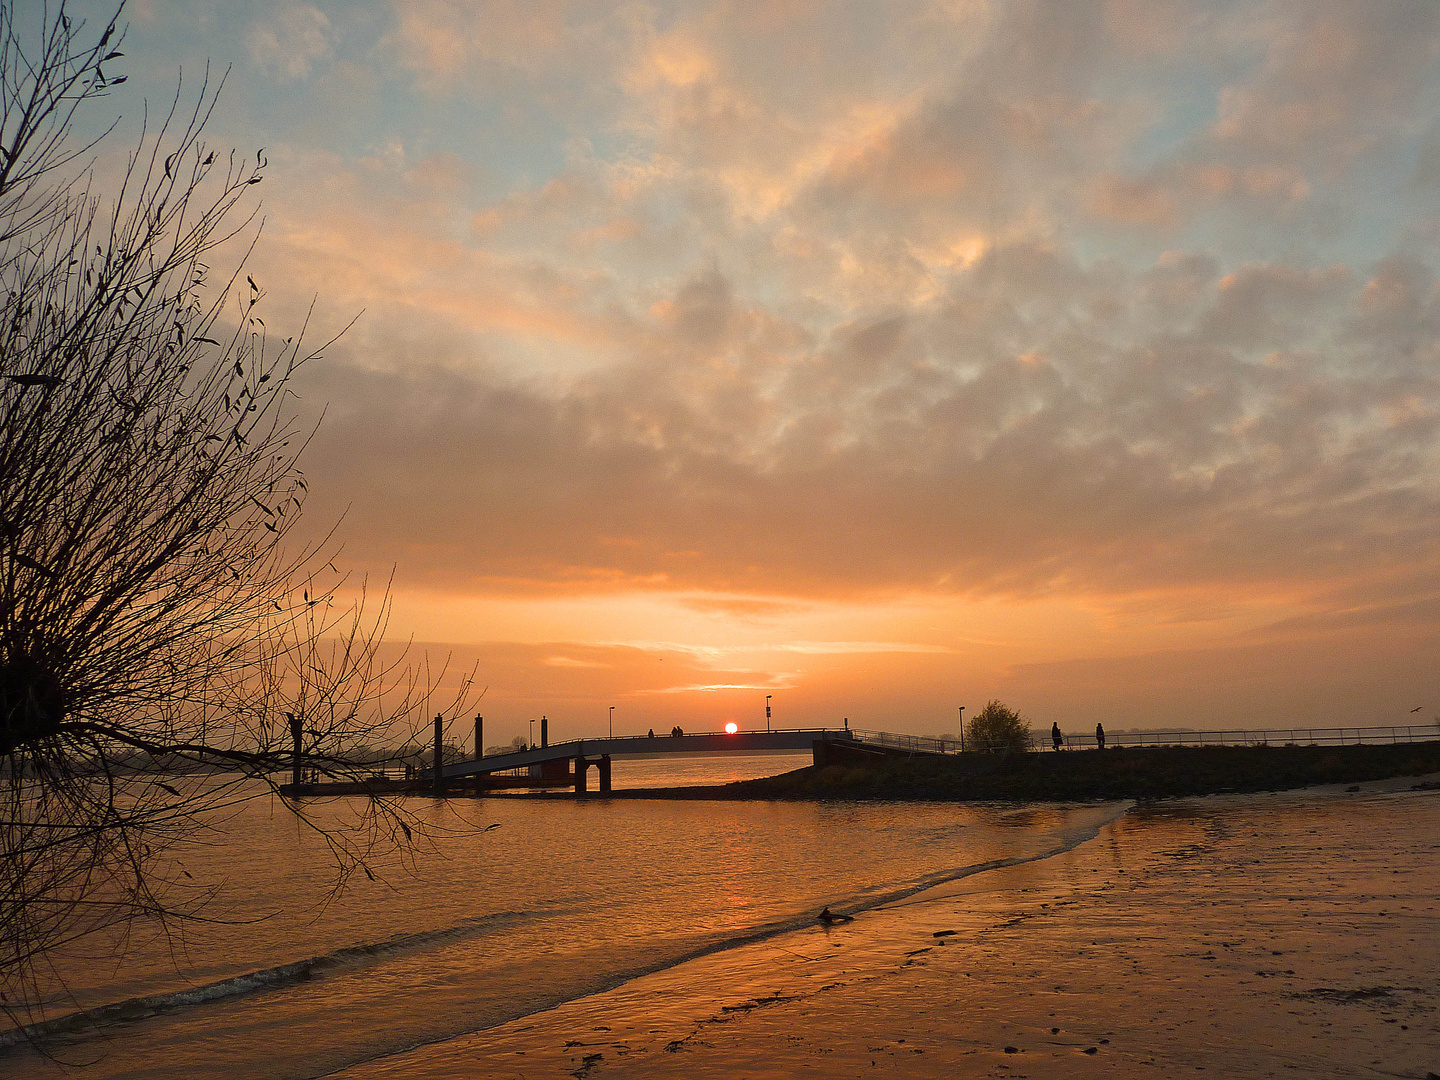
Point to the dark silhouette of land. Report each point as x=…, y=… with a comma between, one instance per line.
x=1124, y=773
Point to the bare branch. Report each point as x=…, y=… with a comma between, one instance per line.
x=155, y=630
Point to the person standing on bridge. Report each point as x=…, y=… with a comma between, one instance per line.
x=1055, y=736
x=1099, y=736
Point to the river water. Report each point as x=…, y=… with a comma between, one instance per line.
x=513, y=906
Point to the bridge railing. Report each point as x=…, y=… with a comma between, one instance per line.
x=1297, y=736
x=926, y=744
x=915, y=744
x=1293, y=736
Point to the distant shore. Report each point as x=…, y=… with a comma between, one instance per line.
x=1142, y=774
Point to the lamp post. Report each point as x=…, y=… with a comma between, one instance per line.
x=962, y=729
x=767, y=711
x=612, y=721
x=532, y=732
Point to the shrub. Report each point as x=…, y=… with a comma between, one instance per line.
x=998, y=727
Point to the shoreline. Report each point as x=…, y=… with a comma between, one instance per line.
x=1197, y=934
x=1143, y=774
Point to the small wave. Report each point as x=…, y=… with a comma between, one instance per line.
x=1083, y=827
x=1079, y=831
x=132, y=1009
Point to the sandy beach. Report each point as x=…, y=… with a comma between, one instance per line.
x=1289, y=934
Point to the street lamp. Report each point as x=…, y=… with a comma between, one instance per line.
x=532, y=733
x=962, y=729
x=612, y=721
x=767, y=711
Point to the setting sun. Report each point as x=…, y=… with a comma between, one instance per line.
x=731, y=728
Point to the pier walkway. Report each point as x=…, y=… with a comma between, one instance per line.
x=567, y=764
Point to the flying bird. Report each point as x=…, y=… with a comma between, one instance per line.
x=1417, y=708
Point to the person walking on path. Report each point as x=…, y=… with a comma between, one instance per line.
x=1055, y=736
x=1100, y=736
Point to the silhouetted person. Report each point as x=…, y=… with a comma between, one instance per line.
x=1055, y=736
x=829, y=918
x=652, y=734
x=1100, y=736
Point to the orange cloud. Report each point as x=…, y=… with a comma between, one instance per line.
x=1053, y=351
x=1133, y=202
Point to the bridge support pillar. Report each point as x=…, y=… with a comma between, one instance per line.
x=604, y=771
x=581, y=767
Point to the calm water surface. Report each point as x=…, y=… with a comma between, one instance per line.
x=520, y=904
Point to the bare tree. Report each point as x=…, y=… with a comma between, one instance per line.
x=156, y=632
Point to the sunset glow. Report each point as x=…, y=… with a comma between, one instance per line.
x=879, y=358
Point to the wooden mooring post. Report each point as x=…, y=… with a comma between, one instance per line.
x=296, y=773
x=439, y=759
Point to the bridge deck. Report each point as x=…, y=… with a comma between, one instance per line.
x=637, y=745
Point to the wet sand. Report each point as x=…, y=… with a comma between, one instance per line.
x=1245, y=936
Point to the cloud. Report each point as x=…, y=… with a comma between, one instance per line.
x=291, y=41
x=1014, y=300
x=1335, y=82
x=571, y=662
x=1125, y=200
x=884, y=461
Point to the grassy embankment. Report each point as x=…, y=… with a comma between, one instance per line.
x=1131, y=773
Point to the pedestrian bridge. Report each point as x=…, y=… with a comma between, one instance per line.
x=567, y=763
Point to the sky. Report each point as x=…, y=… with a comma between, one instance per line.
x=880, y=358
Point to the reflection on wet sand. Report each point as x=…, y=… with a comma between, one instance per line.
x=1246, y=937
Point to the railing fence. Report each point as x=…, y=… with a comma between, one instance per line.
x=923, y=744
x=1296, y=736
